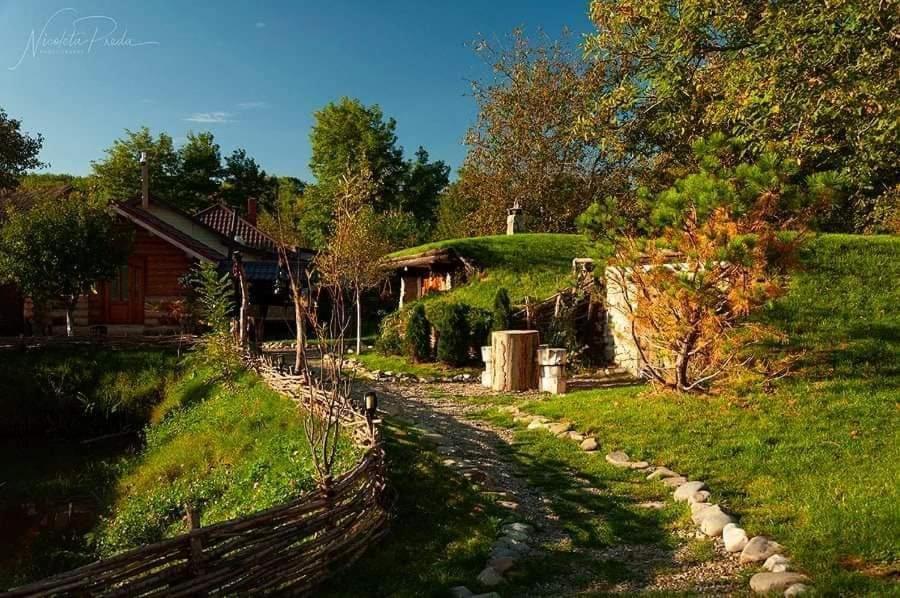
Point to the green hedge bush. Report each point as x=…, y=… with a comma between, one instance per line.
x=453, y=334
x=418, y=335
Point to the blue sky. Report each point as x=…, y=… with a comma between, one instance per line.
x=253, y=73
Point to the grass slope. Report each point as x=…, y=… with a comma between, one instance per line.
x=533, y=265
x=814, y=464
x=229, y=449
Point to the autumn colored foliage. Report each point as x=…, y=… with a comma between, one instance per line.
x=714, y=247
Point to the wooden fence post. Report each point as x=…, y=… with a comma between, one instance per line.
x=196, y=542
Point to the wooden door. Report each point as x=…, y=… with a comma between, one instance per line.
x=124, y=294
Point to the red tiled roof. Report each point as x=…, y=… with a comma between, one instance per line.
x=228, y=222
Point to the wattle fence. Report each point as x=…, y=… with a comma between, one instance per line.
x=290, y=548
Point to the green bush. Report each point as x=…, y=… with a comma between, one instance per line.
x=480, y=321
x=418, y=334
x=390, y=335
x=453, y=334
x=502, y=315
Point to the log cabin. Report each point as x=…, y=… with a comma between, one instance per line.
x=148, y=294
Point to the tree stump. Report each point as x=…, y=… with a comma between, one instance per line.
x=514, y=354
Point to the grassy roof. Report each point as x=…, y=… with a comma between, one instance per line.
x=532, y=265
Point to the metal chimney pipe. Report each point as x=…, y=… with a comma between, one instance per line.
x=145, y=181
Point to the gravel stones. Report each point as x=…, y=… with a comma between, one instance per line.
x=518, y=527
x=686, y=491
x=560, y=428
x=713, y=520
x=662, y=472
x=490, y=577
x=759, y=549
x=618, y=459
x=796, y=590
x=675, y=482
x=697, y=497
x=502, y=565
x=734, y=537
x=763, y=583
x=777, y=564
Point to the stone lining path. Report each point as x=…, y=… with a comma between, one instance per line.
x=481, y=452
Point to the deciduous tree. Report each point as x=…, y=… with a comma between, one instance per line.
x=354, y=256
x=18, y=151
x=60, y=248
x=119, y=174
x=815, y=82
x=526, y=145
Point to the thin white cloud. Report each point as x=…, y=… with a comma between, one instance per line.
x=252, y=105
x=210, y=117
x=260, y=25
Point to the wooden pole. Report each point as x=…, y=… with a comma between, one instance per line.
x=514, y=356
x=196, y=543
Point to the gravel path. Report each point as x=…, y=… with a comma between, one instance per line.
x=480, y=452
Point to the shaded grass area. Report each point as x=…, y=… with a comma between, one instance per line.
x=599, y=507
x=61, y=392
x=441, y=533
x=404, y=365
x=228, y=448
x=69, y=418
x=528, y=265
x=814, y=464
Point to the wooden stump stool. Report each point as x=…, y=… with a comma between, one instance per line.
x=514, y=360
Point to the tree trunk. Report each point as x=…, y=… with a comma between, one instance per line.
x=245, y=307
x=70, y=320
x=683, y=360
x=514, y=356
x=358, y=323
x=300, y=322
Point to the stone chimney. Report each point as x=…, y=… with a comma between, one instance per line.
x=252, y=209
x=515, y=220
x=145, y=181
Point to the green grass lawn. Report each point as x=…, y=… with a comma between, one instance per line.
x=403, y=365
x=533, y=265
x=816, y=463
x=228, y=448
x=440, y=535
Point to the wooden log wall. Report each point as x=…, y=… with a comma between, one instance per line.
x=288, y=549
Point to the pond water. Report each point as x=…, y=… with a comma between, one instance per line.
x=51, y=498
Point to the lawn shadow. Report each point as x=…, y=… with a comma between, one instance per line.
x=591, y=529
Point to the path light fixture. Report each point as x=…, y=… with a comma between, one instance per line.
x=371, y=404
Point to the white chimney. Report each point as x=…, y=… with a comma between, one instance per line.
x=515, y=220
x=145, y=181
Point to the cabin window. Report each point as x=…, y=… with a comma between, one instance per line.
x=118, y=286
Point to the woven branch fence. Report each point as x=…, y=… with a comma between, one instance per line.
x=288, y=549
x=117, y=342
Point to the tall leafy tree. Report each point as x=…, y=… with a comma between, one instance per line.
x=525, y=146
x=18, y=151
x=119, y=174
x=60, y=248
x=422, y=185
x=813, y=81
x=199, y=170
x=244, y=179
x=347, y=133
x=350, y=135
